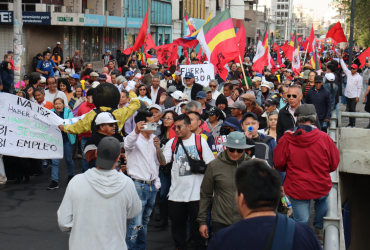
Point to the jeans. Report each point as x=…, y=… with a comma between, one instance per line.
x=137, y=229
x=165, y=186
x=301, y=210
x=344, y=101
x=351, y=104
x=67, y=149
x=85, y=165
x=180, y=213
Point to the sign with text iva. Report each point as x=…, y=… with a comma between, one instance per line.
x=28, y=130
x=203, y=73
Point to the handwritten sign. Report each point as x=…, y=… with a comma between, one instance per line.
x=203, y=73
x=28, y=130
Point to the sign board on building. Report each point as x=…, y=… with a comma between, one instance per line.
x=134, y=22
x=29, y=17
x=94, y=20
x=65, y=19
x=115, y=21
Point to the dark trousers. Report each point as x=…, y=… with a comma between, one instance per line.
x=180, y=212
x=217, y=226
x=351, y=104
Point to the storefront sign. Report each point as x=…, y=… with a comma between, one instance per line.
x=65, y=19
x=94, y=20
x=203, y=73
x=115, y=21
x=29, y=17
x=134, y=22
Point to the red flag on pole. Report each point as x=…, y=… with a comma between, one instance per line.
x=241, y=39
x=167, y=54
x=140, y=37
x=336, y=33
x=276, y=48
x=199, y=55
x=310, y=40
x=363, y=56
x=149, y=43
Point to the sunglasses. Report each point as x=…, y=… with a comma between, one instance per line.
x=110, y=124
x=353, y=69
x=289, y=95
x=178, y=127
x=212, y=86
x=142, y=89
x=232, y=150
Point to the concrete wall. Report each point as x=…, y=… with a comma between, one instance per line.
x=116, y=6
x=39, y=38
x=252, y=14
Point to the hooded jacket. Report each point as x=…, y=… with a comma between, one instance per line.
x=307, y=158
x=95, y=210
x=219, y=179
x=221, y=99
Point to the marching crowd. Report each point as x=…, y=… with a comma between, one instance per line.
x=221, y=161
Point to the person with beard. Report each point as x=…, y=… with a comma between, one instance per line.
x=221, y=103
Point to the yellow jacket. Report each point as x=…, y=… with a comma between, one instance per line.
x=121, y=114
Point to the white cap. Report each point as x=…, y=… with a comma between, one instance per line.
x=95, y=84
x=178, y=95
x=105, y=117
x=155, y=106
x=265, y=84
x=138, y=75
x=185, y=97
x=58, y=42
x=330, y=76
x=43, y=79
x=177, y=73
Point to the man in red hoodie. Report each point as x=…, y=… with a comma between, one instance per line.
x=85, y=108
x=307, y=155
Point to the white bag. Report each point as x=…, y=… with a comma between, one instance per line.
x=3, y=178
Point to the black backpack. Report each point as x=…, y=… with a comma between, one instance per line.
x=262, y=150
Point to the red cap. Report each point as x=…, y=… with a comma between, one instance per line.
x=282, y=66
x=354, y=66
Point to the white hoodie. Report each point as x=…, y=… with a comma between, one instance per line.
x=95, y=210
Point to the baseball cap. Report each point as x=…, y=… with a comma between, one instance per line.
x=177, y=73
x=201, y=94
x=330, y=76
x=177, y=95
x=95, y=84
x=265, y=84
x=237, y=140
x=76, y=76
x=207, y=89
x=94, y=74
x=10, y=52
x=167, y=73
x=318, y=79
x=249, y=114
x=43, y=79
x=108, y=151
x=155, y=106
x=189, y=75
x=58, y=42
x=352, y=66
x=105, y=117
x=25, y=77
x=282, y=66
x=271, y=101
x=238, y=105
x=128, y=74
x=214, y=111
x=171, y=89
x=305, y=109
x=290, y=71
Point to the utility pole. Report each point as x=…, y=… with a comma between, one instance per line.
x=149, y=3
x=353, y=5
x=17, y=40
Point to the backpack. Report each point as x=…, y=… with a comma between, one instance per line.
x=262, y=150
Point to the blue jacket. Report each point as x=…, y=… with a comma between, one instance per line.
x=7, y=80
x=67, y=113
x=321, y=100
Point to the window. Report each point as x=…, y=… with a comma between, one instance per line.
x=278, y=7
x=286, y=7
x=91, y=44
x=112, y=39
x=278, y=14
x=286, y=14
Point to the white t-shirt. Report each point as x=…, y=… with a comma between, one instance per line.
x=50, y=97
x=185, y=185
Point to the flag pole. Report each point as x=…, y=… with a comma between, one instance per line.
x=245, y=78
x=304, y=60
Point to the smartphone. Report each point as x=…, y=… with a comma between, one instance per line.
x=118, y=166
x=150, y=126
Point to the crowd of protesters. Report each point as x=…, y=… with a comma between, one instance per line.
x=186, y=149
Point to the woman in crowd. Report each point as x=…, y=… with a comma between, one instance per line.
x=65, y=87
x=68, y=69
x=68, y=141
x=123, y=100
x=7, y=77
x=310, y=83
x=215, y=120
x=272, y=122
x=236, y=93
x=165, y=171
x=76, y=100
x=143, y=94
x=251, y=105
x=39, y=96
x=221, y=103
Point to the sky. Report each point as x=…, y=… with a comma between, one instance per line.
x=320, y=7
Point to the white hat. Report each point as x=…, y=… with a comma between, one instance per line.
x=178, y=95
x=94, y=74
x=185, y=97
x=330, y=76
x=138, y=75
x=58, y=42
x=95, y=84
x=43, y=79
x=155, y=106
x=265, y=84
x=105, y=117
x=177, y=73
x=257, y=79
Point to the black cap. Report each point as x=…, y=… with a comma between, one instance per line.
x=167, y=73
x=25, y=77
x=216, y=111
x=107, y=153
x=271, y=101
x=318, y=78
x=249, y=114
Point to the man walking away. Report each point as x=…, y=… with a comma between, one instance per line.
x=99, y=203
x=353, y=89
x=78, y=61
x=307, y=155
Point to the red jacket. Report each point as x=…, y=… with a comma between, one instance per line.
x=307, y=160
x=84, y=109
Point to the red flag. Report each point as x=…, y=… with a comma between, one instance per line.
x=199, y=55
x=276, y=48
x=363, y=56
x=336, y=33
x=149, y=43
x=241, y=39
x=299, y=40
x=186, y=43
x=148, y=56
x=167, y=54
x=140, y=37
x=310, y=40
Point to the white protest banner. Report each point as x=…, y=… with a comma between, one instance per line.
x=28, y=130
x=203, y=73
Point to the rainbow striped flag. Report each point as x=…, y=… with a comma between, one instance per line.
x=218, y=40
x=190, y=23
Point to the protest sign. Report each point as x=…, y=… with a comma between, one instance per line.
x=219, y=147
x=28, y=130
x=203, y=73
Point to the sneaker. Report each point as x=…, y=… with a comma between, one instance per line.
x=45, y=165
x=53, y=185
x=320, y=234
